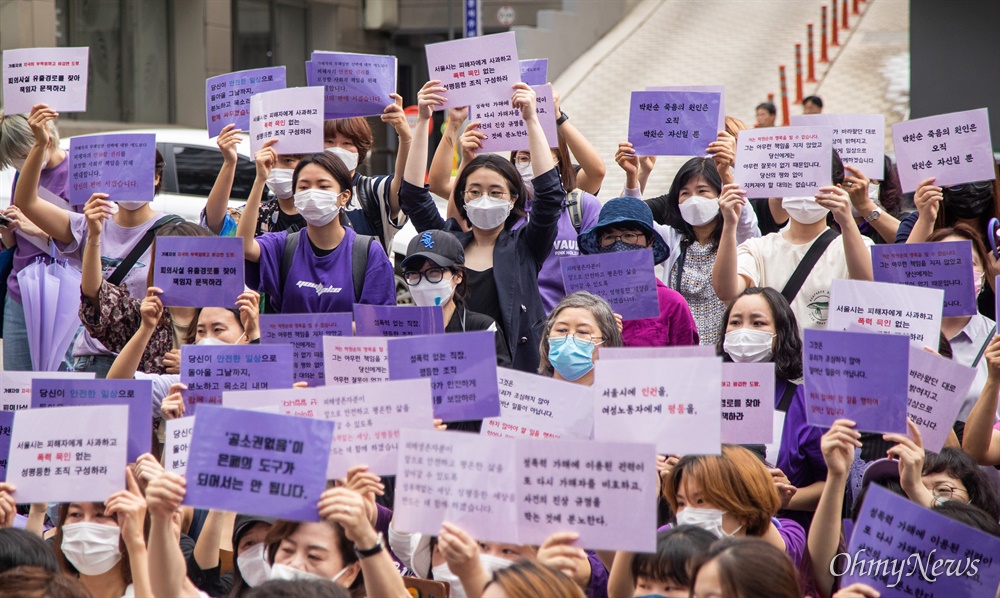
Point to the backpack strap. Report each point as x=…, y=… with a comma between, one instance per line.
x=982, y=349
x=359, y=263
x=575, y=208
x=786, y=396
x=287, y=255
x=125, y=266
x=802, y=271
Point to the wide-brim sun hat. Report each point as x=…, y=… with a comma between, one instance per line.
x=624, y=212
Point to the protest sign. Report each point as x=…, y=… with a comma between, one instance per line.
x=53, y=76
x=177, y=445
x=199, y=271
x=953, y=148
x=265, y=401
x=209, y=370
x=462, y=369
x=888, y=309
x=354, y=84
x=534, y=71
x=858, y=376
x=533, y=406
x=6, y=426
x=305, y=333
x=675, y=404
x=474, y=68
x=15, y=387
x=719, y=89
x=785, y=161
x=227, y=97
x=858, y=138
x=257, y=463
x=609, y=353
x=401, y=320
x=293, y=116
x=68, y=454
x=901, y=548
x=625, y=279
x=673, y=123
x=504, y=126
x=748, y=403
x=122, y=165
x=136, y=394
x=945, y=265
x=350, y=360
x=937, y=389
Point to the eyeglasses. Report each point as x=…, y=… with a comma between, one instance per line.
x=584, y=337
x=474, y=194
x=630, y=238
x=432, y=275
x=945, y=492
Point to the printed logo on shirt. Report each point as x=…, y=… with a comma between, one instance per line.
x=110, y=264
x=320, y=289
x=819, y=306
x=565, y=247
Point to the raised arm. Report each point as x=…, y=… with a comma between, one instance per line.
x=886, y=224
x=415, y=199
x=723, y=151
x=620, y=582
x=540, y=232
x=129, y=508
x=129, y=358
x=859, y=257
x=981, y=441
x=471, y=143
x=169, y=577
x=592, y=167
x=265, y=159
x=928, y=199
x=218, y=197
x=395, y=116
x=439, y=176
x=97, y=210
x=726, y=280
x=51, y=219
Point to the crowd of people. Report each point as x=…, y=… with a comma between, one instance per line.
x=751, y=521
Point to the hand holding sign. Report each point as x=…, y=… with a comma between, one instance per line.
x=39, y=119
x=731, y=204
x=837, y=200
x=927, y=199
x=524, y=99
x=837, y=446
x=96, y=211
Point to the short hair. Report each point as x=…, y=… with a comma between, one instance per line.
x=299, y=588
x=16, y=138
x=752, y=567
x=21, y=548
x=528, y=579
x=788, y=345
x=836, y=168
x=677, y=550
x=815, y=100
x=958, y=464
x=158, y=167
x=969, y=515
x=769, y=106
x=356, y=129
x=735, y=125
x=40, y=582
x=515, y=186
x=598, y=307
x=695, y=167
x=735, y=481
x=283, y=529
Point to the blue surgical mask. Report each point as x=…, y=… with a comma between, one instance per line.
x=619, y=246
x=572, y=359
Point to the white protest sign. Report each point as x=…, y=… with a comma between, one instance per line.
x=64, y=454
x=15, y=387
x=748, y=403
x=178, y=443
x=353, y=360
x=887, y=308
x=953, y=148
x=784, y=161
x=504, y=127
x=533, y=406
x=475, y=68
x=936, y=391
x=611, y=353
x=53, y=76
x=673, y=403
x=293, y=116
x=858, y=138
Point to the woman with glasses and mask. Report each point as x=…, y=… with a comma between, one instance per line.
x=502, y=263
x=577, y=326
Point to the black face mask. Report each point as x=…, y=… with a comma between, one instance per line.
x=968, y=202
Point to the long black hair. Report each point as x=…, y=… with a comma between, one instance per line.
x=515, y=186
x=693, y=168
x=787, y=347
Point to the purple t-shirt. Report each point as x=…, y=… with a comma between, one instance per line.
x=550, y=282
x=799, y=456
x=323, y=284
x=56, y=180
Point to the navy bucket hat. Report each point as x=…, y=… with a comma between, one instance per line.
x=624, y=212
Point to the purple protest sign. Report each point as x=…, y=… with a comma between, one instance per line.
x=354, y=84
x=673, y=123
x=719, y=89
x=534, y=71
x=858, y=138
x=474, y=68
x=6, y=426
x=938, y=387
x=897, y=544
x=953, y=148
x=199, y=271
x=257, y=463
x=227, y=97
x=945, y=265
x=625, y=279
x=393, y=320
x=504, y=127
x=748, y=403
x=293, y=116
x=119, y=164
x=462, y=369
x=785, y=161
x=210, y=370
x=305, y=333
x=858, y=376
x=136, y=394
x=53, y=76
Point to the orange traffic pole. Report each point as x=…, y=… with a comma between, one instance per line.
x=836, y=26
x=812, y=59
x=770, y=97
x=822, y=31
x=843, y=15
x=856, y=7
x=798, y=73
x=784, y=96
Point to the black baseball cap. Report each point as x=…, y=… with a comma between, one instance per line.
x=438, y=246
x=243, y=524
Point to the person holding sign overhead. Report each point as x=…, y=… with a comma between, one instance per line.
x=502, y=263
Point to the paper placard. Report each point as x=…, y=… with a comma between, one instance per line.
x=350, y=360
x=625, y=279
x=305, y=333
x=462, y=369
x=675, y=404
x=227, y=97
x=534, y=71
x=888, y=309
x=397, y=320
x=937, y=389
x=53, y=76
x=719, y=89
x=946, y=265
x=953, y=148
x=68, y=454
x=610, y=353
x=123, y=165
x=504, y=127
x=209, y=370
x=15, y=387
x=748, y=403
x=6, y=427
x=533, y=406
x=858, y=376
x=673, y=123
x=354, y=84
x=858, y=138
x=177, y=445
x=257, y=463
x=785, y=161
x=293, y=116
x=199, y=271
x=474, y=68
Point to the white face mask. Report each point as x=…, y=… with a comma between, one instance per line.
x=443, y=573
x=804, y=210
x=487, y=213
x=292, y=574
x=349, y=158
x=873, y=192
x=212, y=342
x=91, y=547
x=746, y=345
x=253, y=565
x=132, y=205
x=279, y=181
x=524, y=169
x=317, y=206
x=492, y=564
x=698, y=210
x=977, y=278
x=709, y=520
x=430, y=294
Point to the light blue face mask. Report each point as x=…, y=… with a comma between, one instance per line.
x=572, y=359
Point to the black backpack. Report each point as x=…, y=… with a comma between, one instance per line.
x=359, y=261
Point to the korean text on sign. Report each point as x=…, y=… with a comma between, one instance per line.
x=354, y=84
x=53, y=76
x=355, y=360
x=119, y=164
x=784, y=161
x=293, y=116
x=199, y=271
x=227, y=97
x=474, y=67
x=953, y=148
x=625, y=279
x=504, y=127
x=210, y=370
x=668, y=123
x=858, y=138
x=945, y=265
x=305, y=333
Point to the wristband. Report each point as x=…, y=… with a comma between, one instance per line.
x=363, y=554
x=563, y=117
